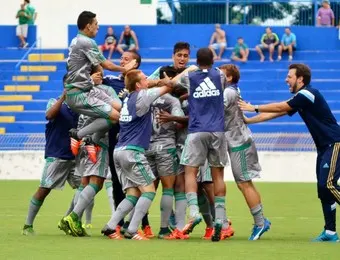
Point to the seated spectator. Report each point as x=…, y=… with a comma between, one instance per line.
x=110, y=42
x=22, y=28
x=325, y=16
x=241, y=51
x=269, y=41
x=130, y=40
x=218, y=41
x=288, y=43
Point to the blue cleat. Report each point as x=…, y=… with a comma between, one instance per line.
x=324, y=237
x=258, y=231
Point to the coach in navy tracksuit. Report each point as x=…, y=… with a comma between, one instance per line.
x=323, y=127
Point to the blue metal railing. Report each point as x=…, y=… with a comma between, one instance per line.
x=23, y=59
x=254, y=12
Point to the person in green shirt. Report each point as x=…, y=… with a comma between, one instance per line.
x=22, y=28
x=31, y=10
x=269, y=41
x=241, y=51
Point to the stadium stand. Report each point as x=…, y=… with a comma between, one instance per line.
x=26, y=90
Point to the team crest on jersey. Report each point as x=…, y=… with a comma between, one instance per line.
x=124, y=113
x=206, y=89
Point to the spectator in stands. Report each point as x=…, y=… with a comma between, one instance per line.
x=241, y=51
x=269, y=41
x=130, y=40
x=22, y=28
x=218, y=41
x=288, y=43
x=31, y=10
x=325, y=16
x=110, y=42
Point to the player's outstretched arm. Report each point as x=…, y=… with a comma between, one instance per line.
x=108, y=65
x=268, y=108
x=262, y=117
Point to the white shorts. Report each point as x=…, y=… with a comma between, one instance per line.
x=22, y=30
x=218, y=45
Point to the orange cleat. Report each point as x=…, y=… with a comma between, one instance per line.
x=227, y=233
x=92, y=152
x=115, y=236
x=209, y=231
x=140, y=237
x=148, y=232
x=176, y=234
x=118, y=229
x=75, y=145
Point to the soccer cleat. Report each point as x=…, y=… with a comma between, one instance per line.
x=208, y=233
x=227, y=232
x=172, y=221
x=115, y=236
x=193, y=222
x=75, y=226
x=118, y=229
x=106, y=231
x=176, y=234
x=324, y=237
x=28, y=230
x=217, y=231
x=75, y=142
x=136, y=236
x=92, y=151
x=63, y=226
x=257, y=231
x=148, y=232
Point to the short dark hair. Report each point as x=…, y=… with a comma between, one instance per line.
x=27, y=1
x=231, y=70
x=205, y=57
x=302, y=70
x=136, y=56
x=181, y=46
x=85, y=18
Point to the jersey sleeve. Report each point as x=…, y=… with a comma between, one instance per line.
x=92, y=52
x=155, y=74
x=176, y=109
x=184, y=81
x=229, y=97
x=144, y=100
x=301, y=100
x=50, y=103
x=223, y=79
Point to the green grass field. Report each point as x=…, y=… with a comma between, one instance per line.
x=293, y=209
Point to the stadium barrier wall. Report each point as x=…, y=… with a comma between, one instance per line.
x=276, y=166
x=9, y=38
x=54, y=17
x=164, y=36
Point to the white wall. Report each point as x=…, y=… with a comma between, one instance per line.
x=276, y=166
x=54, y=16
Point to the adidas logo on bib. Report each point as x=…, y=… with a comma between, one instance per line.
x=206, y=89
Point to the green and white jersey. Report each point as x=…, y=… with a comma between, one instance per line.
x=237, y=132
x=31, y=11
x=164, y=135
x=83, y=55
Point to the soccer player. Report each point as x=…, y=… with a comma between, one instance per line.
x=162, y=157
x=242, y=152
x=325, y=131
x=81, y=96
x=206, y=138
x=94, y=174
x=180, y=58
x=117, y=83
x=131, y=164
x=59, y=160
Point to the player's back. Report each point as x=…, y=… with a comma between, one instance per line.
x=83, y=55
x=206, y=101
x=237, y=132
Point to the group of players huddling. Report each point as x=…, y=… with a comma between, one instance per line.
x=178, y=126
